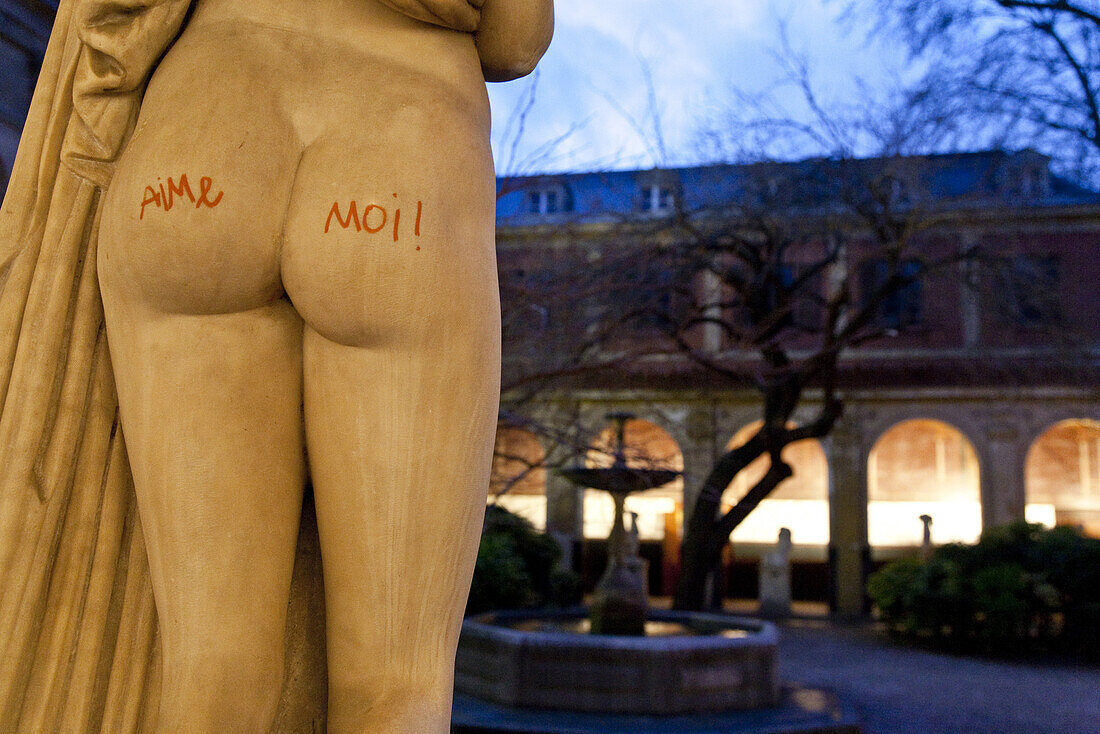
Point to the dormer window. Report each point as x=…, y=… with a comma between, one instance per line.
x=657, y=199
x=547, y=200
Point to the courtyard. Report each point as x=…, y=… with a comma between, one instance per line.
x=894, y=689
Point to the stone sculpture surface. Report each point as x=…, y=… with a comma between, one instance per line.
x=267, y=227
x=775, y=578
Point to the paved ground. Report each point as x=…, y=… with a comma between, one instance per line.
x=898, y=690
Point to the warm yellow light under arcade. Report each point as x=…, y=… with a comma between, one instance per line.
x=800, y=504
x=923, y=467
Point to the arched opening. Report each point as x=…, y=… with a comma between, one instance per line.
x=518, y=478
x=1062, y=476
x=800, y=504
x=922, y=467
x=645, y=445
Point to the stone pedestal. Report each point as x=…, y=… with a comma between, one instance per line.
x=621, y=598
x=619, y=603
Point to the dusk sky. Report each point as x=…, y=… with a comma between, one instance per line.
x=592, y=82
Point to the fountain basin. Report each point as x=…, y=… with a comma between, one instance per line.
x=696, y=663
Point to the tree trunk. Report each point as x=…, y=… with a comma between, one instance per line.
x=707, y=534
x=700, y=553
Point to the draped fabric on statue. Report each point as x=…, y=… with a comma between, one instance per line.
x=77, y=621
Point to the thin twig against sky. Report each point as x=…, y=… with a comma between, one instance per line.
x=626, y=83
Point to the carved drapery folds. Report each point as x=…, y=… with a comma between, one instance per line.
x=77, y=622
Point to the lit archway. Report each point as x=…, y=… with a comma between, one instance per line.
x=646, y=445
x=922, y=467
x=1062, y=476
x=518, y=478
x=801, y=503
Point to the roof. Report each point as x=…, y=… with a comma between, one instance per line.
x=1004, y=178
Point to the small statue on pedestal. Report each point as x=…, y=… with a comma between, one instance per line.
x=775, y=578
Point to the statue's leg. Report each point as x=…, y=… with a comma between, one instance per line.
x=401, y=375
x=211, y=415
x=210, y=409
x=207, y=358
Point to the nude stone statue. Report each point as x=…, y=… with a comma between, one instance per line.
x=297, y=274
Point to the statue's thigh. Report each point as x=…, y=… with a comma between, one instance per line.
x=210, y=408
x=206, y=352
x=400, y=443
x=401, y=376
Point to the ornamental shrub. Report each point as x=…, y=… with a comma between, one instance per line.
x=1021, y=587
x=517, y=567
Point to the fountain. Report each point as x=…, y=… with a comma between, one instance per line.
x=620, y=657
x=620, y=601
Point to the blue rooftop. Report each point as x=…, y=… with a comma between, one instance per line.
x=964, y=179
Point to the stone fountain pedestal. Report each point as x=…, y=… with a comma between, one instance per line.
x=520, y=659
x=620, y=601
x=621, y=598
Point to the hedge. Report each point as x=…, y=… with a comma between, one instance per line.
x=517, y=567
x=1021, y=588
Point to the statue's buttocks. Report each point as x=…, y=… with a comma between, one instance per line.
x=283, y=126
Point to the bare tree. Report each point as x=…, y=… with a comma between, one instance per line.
x=810, y=260
x=1011, y=72
x=816, y=258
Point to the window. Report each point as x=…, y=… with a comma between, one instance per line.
x=901, y=306
x=807, y=300
x=548, y=200
x=657, y=199
x=1028, y=290
x=655, y=294
x=529, y=296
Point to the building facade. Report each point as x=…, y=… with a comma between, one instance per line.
x=978, y=409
